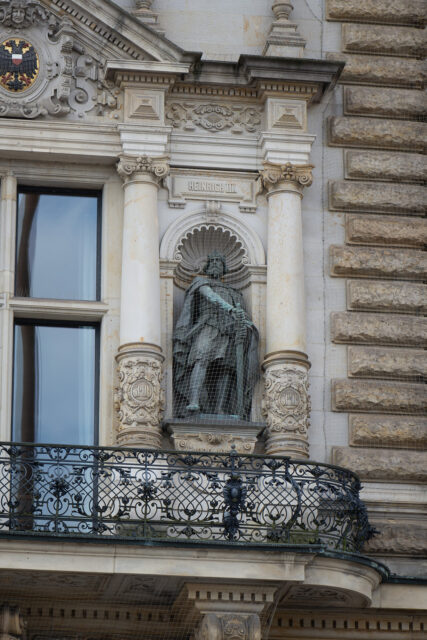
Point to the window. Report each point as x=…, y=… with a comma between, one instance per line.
x=55, y=361
x=57, y=248
x=55, y=382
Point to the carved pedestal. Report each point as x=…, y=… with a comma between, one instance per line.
x=214, y=435
x=12, y=623
x=230, y=612
x=140, y=398
x=286, y=406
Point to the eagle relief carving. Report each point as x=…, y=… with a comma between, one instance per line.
x=45, y=70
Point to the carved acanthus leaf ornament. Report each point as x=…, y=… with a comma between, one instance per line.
x=21, y=14
x=274, y=174
x=129, y=166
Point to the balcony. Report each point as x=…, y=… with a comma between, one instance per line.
x=146, y=496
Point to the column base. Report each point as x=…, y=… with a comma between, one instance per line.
x=286, y=404
x=140, y=397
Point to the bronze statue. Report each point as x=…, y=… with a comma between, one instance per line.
x=215, y=348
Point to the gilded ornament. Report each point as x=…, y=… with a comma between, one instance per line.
x=19, y=65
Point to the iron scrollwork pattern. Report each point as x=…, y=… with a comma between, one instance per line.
x=178, y=497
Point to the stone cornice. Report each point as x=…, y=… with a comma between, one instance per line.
x=160, y=74
x=142, y=168
x=275, y=177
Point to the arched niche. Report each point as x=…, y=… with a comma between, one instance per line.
x=183, y=251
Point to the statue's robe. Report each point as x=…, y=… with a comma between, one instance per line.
x=206, y=332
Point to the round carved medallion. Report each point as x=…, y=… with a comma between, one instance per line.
x=19, y=65
x=289, y=398
x=141, y=390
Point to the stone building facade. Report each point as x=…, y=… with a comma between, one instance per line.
x=290, y=138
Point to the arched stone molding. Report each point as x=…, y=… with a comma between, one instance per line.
x=187, y=242
x=189, y=239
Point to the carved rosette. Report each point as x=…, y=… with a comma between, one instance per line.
x=139, y=398
x=286, y=407
x=143, y=168
x=276, y=177
x=229, y=627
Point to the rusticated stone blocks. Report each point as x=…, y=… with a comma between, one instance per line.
x=380, y=165
x=379, y=396
x=384, y=11
x=388, y=230
x=382, y=198
x=387, y=296
x=370, y=362
x=380, y=262
x=388, y=431
x=378, y=328
x=383, y=464
x=402, y=539
x=402, y=41
x=384, y=102
x=374, y=69
x=377, y=132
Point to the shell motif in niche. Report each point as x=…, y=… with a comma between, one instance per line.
x=192, y=252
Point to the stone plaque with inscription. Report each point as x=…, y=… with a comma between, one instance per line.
x=237, y=187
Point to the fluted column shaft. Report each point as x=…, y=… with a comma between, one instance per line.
x=286, y=403
x=140, y=398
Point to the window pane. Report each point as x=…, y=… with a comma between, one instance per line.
x=55, y=371
x=56, y=253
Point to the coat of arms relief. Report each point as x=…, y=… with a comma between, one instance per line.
x=46, y=68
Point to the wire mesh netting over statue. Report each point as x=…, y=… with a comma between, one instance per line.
x=215, y=349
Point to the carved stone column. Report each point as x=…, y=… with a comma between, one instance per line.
x=286, y=401
x=229, y=611
x=140, y=396
x=12, y=623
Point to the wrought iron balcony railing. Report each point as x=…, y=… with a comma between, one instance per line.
x=157, y=496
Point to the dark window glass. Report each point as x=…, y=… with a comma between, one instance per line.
x=55, y=383
x=57, y=251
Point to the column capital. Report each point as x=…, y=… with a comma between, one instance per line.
x=286, y=177
x=143, y=168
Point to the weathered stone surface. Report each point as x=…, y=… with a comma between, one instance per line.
x=364, y=69
x=383, y=464
x=388, y=11
x=387, y=296
x=388, y=230
x=370, y=362
x=378, y=328
x=381, y=262
x=381, y=198
x=397, y=41
x=388, y=431
x=377, y=132
x=382, y=165
x=403, y=539
x=379, y=396
x=383, y=102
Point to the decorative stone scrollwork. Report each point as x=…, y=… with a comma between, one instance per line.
x=286, y=407
x=139, y=397
x=213, y=117
x=229, y=627
x=21, y=14
x=273, y=175
x=70, y=81
x=131, y=168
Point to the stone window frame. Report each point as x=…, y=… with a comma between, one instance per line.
x=104, y=312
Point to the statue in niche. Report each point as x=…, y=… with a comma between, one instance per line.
x=215, y=349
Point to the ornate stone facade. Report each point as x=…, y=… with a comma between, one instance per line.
x=286, y=408
x=213, y=117
x=139, y=397
x=229, y=627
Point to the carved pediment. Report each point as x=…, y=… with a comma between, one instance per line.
x=53, y=56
